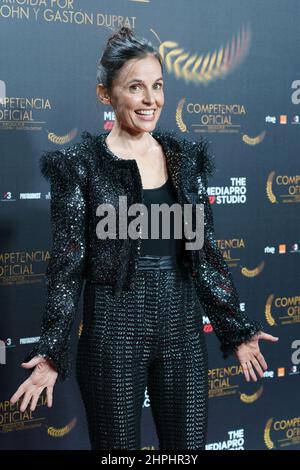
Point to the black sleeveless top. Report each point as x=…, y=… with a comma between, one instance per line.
x=167, y=246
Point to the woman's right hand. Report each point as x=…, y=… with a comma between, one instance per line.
x=43, y=376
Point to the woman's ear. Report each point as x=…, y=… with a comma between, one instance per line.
x=102, y=94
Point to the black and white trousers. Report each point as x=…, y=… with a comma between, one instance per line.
x=150, y=336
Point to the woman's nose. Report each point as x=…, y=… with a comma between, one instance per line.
x=149, y=96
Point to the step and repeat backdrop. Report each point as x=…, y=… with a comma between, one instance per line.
x=231, y=72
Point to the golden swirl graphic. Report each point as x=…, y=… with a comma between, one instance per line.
x=254, y=140
x=251, y=398
x=268, y=313
x=60, y=432
x=267, y=438
x=178, y=116
x=62, y=139
x=269, y=191
x=206, y=67
x=253, y=272
x=80, y=328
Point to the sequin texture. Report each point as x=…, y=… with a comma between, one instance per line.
x=150, y=337
x=87, y=174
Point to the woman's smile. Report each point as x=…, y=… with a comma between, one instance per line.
x=146, y=115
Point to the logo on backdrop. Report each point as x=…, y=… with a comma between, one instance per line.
x=281, y=433
x=210, y=117
x=231, y=249
x=62, y=11
x=254, y=140
x=282, y=310
x=282, y=119
x=22, y=113
x=223, y=382
x=282, y=249
x=61, y=432
x=235, y=441
x=62, y=139
x=234, y=193
x=12, y=419
x=215, y=118
x=22, y=267
x=203, y=68
x=253, y=272
x=283, y=188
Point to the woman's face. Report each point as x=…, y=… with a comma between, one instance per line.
x=138, y=87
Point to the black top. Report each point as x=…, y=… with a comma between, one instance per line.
x=167, y=246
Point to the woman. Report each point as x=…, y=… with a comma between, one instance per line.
x=142, y=313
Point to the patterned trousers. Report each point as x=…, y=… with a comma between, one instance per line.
x=150, y=336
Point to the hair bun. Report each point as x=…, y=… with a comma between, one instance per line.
x=122, y=33
x=123, y=45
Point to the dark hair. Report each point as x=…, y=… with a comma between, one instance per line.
x=122, y=46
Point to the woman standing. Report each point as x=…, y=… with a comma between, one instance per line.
x=142, y=313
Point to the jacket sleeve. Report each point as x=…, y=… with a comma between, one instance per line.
x=65, y=270
x=213, y=280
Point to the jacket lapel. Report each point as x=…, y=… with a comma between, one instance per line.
x=181, y=166
x=181, y=163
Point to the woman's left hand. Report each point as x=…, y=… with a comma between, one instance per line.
x=250, y=357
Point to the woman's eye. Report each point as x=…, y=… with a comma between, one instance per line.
x=134, y=87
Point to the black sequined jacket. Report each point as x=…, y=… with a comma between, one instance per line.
x=87, y=174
